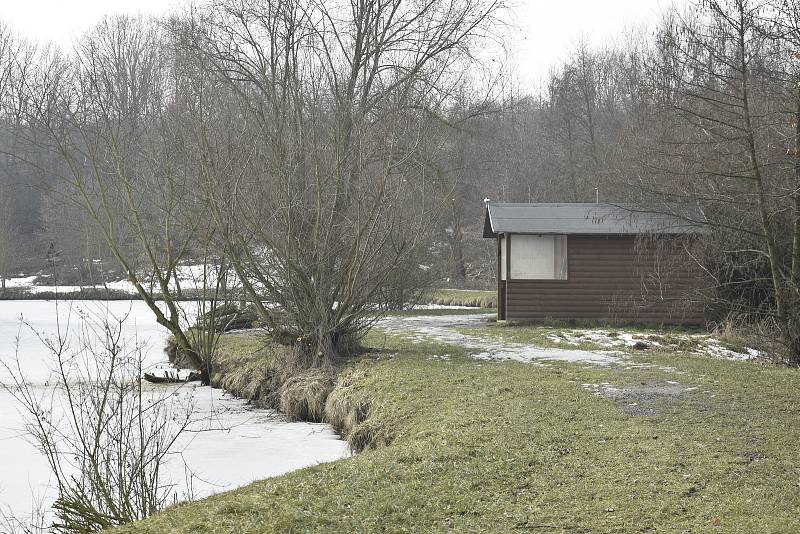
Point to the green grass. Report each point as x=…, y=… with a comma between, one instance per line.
x=541, y=336
x=463, y=445
x=241, y=343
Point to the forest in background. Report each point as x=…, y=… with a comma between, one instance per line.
x=698, y=117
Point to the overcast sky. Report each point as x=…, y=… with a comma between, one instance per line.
x=546, y=30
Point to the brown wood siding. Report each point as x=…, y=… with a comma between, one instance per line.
x=617, y=278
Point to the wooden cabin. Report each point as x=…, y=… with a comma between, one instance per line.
x=595, y=262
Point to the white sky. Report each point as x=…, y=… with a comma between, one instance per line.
x=546, y=30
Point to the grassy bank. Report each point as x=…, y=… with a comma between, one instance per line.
x=462, y=297
x=669, y=443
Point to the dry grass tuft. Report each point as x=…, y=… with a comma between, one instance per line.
x=249, y=376
x=738, y=332
x=251, y=367
x=346, y=410
x=452, y=297
x=268, y=374
x=363, y=437
x=302, y=395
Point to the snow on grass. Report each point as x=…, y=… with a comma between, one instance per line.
x=29, y=285
x=528, y=354
x=441, y=328
x=37, y=290
x=601, y=347
x=714, y=348
x=189, y=276
x=605, y=389
x=23, y=281
x=440, y=307
x=694, y=343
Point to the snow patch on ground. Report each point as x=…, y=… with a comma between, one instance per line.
x=528, y=354
x=604, y=389
x=190, y=276
x=440, y=328
x=28, y=284
x=713, y=348
x=640, y=400
x=23, y=281
x=611, y=343
x=695, y=343
x=440, y=307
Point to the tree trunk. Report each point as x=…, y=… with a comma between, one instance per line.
x=781, y=310
x=794, y=277
x=572, y=177
x=457, y=268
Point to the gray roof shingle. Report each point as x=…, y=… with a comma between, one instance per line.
x=580, y=219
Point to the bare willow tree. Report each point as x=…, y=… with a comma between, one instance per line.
x=106, y=110
x=324, y=199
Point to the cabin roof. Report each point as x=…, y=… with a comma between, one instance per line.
x=563, y=218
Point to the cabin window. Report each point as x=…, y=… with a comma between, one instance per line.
x=539, y=257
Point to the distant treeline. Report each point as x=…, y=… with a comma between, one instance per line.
x=299, y=147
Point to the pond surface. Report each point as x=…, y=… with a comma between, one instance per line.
x=236, y=444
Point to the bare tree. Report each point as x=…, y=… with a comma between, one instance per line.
x=13, y=55
x=722, y=142
x=327, y=199
x=7, y=237
x=106, y=112
x=104, y=436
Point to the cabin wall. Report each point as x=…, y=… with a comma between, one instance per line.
x=616, y=278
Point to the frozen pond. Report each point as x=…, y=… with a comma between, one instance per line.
x=237, y=444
